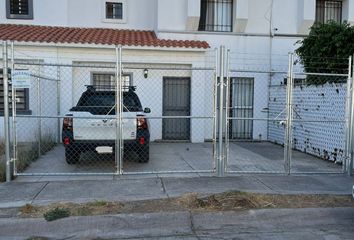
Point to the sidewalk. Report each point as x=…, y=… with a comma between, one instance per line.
x=15, y=194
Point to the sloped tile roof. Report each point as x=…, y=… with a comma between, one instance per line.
x=106, y=36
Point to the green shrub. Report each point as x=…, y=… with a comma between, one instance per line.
x=326, y=50
x=56, y=213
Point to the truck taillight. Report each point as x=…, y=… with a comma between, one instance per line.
x=68, y=123
x=141, y=123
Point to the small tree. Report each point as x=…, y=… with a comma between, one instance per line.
x=326, y=50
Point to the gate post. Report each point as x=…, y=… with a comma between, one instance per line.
x=220, y=166
x=351, y=125
x=6, y=112
x=227, y=105
x=119, y=110
x=289, y=116
x=13, y=104
x=58, y=104
x=348, y=118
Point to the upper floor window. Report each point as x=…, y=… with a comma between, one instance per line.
x=19, y=9
x=114, y=10
x=216, y=15
x=327, y=10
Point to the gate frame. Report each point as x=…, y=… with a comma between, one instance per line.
x=348, y=163
x=221, y=119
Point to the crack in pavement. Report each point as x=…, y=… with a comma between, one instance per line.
x=39, y=192
x=191, y=222
x=163, y=187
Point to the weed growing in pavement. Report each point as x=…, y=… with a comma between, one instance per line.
x=56, y=213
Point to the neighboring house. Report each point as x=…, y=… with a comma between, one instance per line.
x=153, y=30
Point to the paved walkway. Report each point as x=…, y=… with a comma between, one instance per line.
x=16, y=194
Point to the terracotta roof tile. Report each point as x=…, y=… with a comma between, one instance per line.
x=31, y=33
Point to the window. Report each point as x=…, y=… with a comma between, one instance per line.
x=114, y=10
x=105, y=81
x=19, y=9
x=216, y=15
x=22, y=98
x=328, y=10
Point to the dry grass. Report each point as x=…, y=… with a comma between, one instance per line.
x=230, y=201
x=27, y=155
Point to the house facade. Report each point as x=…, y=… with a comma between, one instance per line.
x=154, y=33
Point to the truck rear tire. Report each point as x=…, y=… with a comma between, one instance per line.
x=72, y=156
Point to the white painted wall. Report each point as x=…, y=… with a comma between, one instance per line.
x=73, y=81
x=45, y=12
x=86, y=13
x=252, y=16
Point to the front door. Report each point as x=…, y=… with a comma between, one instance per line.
x=176, y=102
x=241, y=105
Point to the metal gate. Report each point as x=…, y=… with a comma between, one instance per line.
x=300, y=118
x=284, y=115
x=64, y=132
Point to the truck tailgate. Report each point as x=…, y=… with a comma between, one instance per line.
x=97, y=127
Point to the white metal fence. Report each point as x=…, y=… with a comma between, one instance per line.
x=211, y=113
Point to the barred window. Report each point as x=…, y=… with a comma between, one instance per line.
x=216, y=15
x=22, y=97
x=105, y=81
x=327, y=10
x=114, y=10
x=19, y=9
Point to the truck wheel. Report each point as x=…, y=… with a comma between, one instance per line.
x=144, y=155
x=72, y=156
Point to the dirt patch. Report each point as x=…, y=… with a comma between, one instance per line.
x=230, y=201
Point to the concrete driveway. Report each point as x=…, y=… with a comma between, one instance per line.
x=244, y=156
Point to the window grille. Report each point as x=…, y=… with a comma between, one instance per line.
x=114, y=10
x=105, y=81
x=328, y=11
x=19, y=9
x=216, y=15
x=22, y=97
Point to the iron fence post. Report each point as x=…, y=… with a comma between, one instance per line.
x=351, y=126
x=6, y=112
x=39, y=122
x=13, y=104
x=119, y=140
x=348, y=118
x=289, y=117
x=221, y=160
x=215, y=110
x=227, y=105
x=58, y=103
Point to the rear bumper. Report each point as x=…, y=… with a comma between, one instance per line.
x=91, y=145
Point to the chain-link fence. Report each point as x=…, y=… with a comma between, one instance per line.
x=250, y=90
x=157, y=112
x=289, y=119
x=122, y=117
x=320, y=114
x=175, y=132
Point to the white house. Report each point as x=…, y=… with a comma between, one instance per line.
x=181, y=34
